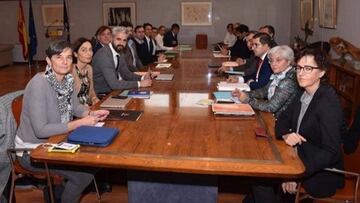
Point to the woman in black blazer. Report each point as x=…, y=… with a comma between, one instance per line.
x=312, y=125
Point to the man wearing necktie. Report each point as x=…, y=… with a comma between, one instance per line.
x=261, y=44
x=110, y=68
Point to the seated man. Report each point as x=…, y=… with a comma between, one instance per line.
x=110, y=69
x=230, y=38
x=170, y=38
x=239, y=49
x=262, y=43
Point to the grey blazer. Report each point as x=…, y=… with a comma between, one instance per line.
x=7, y=135
x=130, y=54
x=105, y=73
x=283, y=95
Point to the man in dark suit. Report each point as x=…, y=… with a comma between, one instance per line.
x=261, y=44
x=170, y=38
x=110, y=68
x=145, y=46
x=239, y=49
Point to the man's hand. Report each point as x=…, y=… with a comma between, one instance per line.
x=146, y=83
x=293, y=139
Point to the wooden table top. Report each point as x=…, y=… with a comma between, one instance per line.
x=175, y=134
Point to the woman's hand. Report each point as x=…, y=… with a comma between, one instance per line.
x=100, y=114
x=161, y=58
x=223, y=69
x=289, y=187
x=293, y=139
x=239, y=94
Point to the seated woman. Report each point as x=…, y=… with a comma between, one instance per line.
x=102, y=37
x=83, y=73
x=49, y=107
x=312, y=125
x=282, y=87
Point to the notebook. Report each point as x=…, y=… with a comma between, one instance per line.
x=163, y=65
x=115, y=103
x=230, y=64
x=94, y=136
x=141, y=94
x=225, y=86
x=166, y=77
x=129, y=115
x=233, y=109
x=223, y=97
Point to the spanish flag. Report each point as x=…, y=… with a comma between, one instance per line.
x=23, y=37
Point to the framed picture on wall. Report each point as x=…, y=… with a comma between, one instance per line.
x=52, y=14
x=327, y=13
x=196, y=13
x=306, y=13
x=116, y=13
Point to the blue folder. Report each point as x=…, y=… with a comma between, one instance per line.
x=94, y=136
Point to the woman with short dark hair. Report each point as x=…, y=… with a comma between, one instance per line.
x=49, y=107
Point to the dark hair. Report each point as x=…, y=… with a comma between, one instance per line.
x=229, y=25
x=265, y=39
x=126, y=24
x=242, y=28
x=320, y=57
x=101, y=29
x=161, y=26
x=254, y=32
x=77, y=44
x=56, y=47
x=147, y=24
x=154, y=28
x=173, y=26
x=138, y=27
x=270, y=28
x=323, y=46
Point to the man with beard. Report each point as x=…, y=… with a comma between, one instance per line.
x=110, y=69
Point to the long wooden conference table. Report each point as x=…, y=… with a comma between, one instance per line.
x=175, y=134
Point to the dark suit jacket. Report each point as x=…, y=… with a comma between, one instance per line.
x=143, y=52
x=249, y=67
x=239, y=50
x=105, y=73
x=264, y=75
x=321, y=127
x=97, y=46
x=170, y=40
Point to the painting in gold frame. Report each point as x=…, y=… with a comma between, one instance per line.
x=327, y=13
x=306, y=13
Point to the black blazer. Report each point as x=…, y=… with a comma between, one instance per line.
x=351, y=138
x=170, y=40
x=321, y=127
x=240, y=50
x=143, y=52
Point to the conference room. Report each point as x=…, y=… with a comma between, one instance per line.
x=179, y=101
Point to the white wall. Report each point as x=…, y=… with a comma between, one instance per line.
x=86, y=16
x=348, y=22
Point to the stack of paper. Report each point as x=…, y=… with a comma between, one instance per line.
x=219, y=55
x=144, y=73
x=166, y=77
x=233, y=109
x=225, y=86
x=185, y=47
x=230, y=64
x=163, y=65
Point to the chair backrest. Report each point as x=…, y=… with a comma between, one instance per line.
x=16, y=108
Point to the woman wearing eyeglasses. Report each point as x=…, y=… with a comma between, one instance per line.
x=278, y=93
x=83, y=72
x=312, y=125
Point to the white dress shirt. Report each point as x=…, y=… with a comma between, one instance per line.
x=160, y=43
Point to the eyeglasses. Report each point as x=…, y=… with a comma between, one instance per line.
x=277, y=60
x=306, y=69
